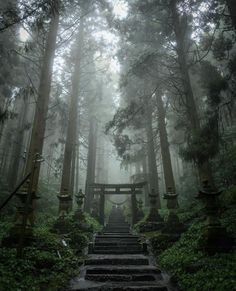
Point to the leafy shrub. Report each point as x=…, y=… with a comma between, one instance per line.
x=46, y=265
x=194, y=269
x=161, y=241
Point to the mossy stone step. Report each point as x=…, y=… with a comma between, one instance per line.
x=124, y=270
x=119, y=278
x=117, y=260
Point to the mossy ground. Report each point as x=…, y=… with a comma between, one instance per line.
x=192, y=268
x=48, y=264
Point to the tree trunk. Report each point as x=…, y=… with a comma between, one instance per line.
x=145, y=175
x=90, y=179
x=152, y=166
x=77, y=170
x=100, y=178
x=39, y=123
x=165, y=151
x=72, y=178
x=18, y=145
x=71, y=134
x=204, y=169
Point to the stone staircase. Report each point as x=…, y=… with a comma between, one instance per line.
x=118, y=261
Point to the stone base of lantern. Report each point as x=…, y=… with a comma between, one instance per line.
x=79, y=215
x=154, y=216
x=13, y=239
x=215, y=239
x=173, y=226
x=154, y=222
x=151, y=226
x=61, y=226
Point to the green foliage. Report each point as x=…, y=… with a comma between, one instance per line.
x=203, y=145
x=191, y=268
x=161, y=242
x=212, y=82
x=96, y=226
x=225, y=165
x=46, y=265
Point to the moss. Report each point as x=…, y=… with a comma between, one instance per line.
x=192, y=268
x=48, y=264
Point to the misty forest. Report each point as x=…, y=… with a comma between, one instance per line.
x=117, y=145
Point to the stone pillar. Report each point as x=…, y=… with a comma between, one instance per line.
x=154, y=215
x=134, y=207
x=140, y=213
x=64, y=204
x=101, y=207
x=79, y=214
x=172, y=225
x=215, y=237
x=21, y=234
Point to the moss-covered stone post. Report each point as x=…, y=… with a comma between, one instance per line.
x=102, y=206
x=154, y=215
x=133, y=206
x=172, y=225
x=215, y=237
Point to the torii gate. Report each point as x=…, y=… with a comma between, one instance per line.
x=118, y=189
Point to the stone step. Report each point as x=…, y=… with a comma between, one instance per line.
x=119, y=278
x=108, y=243
x=118, y=247
x=112, y=230
x=118, y=226
x=116, y=231
x=115, y=236
x=117, y=251
x=118, y=286
x=125, y=242
x=121, y=220
x=124, y=270
x=118, y=223
x=117, y=260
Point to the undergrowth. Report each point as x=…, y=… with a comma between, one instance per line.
x=51, y=261
x=190, y=267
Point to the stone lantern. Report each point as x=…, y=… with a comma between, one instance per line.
x=215, y=237
x=154, y=219
x=64, y=204
x=79, y=200
x=172, y=225
x=140, y=213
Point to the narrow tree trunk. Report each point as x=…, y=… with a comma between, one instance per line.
x=165, y=151
x=18, y=145
x=77, y=170
x=72, y=122
x=39, y=124
x=101, y=161
x=72, y=180
x=152, y=165
x=146, y=188
x=90, y=179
